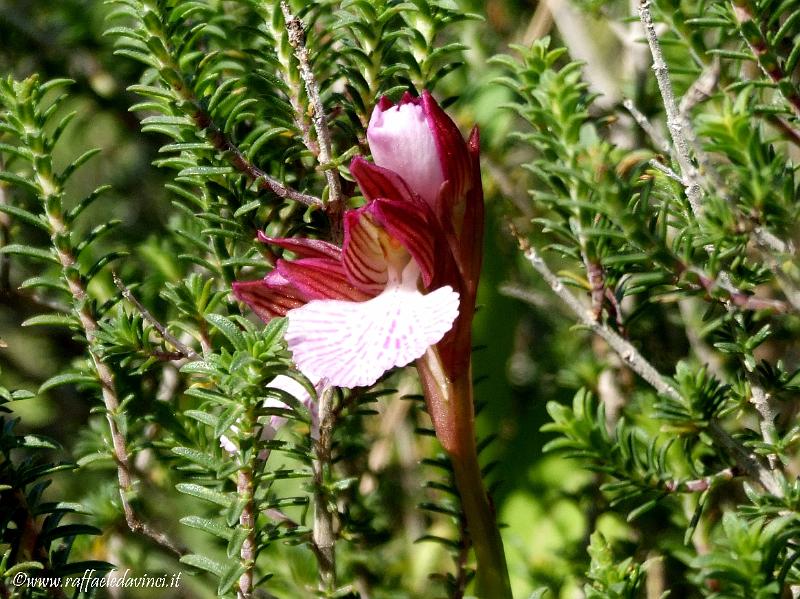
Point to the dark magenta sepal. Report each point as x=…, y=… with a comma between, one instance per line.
x=304, y=248
x=379, y=182
x=452, y=150
x=268, y=298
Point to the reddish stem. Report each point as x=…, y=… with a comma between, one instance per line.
x=451, y=407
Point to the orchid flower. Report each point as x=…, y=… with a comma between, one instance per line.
x=396, y=287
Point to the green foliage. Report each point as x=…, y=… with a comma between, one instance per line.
x=610, y=206
x=609, y=579
x=753, y=559
x=36, y=534
x=223, y=93
x=209, y=136
x=231, y=394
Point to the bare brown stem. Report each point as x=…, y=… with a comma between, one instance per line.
x=185, y=350
x=231, y=152
x=238, y=160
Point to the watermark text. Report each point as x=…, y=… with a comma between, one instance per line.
x=94, y=579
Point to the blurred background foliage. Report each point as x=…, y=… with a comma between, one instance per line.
x=529, y=355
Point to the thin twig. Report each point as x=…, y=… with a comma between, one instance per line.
x=575, y=29
x=791, y=134
x=238, y=160
x=658, y=140
x=736, y=298
x=701, y=90
x=540, y=24
x=222, y=143
x=293, y=90
x=185, y=350
x=534, y=298
x=698, y=485
x=323, y=535
x=5, y=221
x=764, y=405
x=675, y=123
x=294, y=27
x=770, y=247
x=639, y=364
x=666, y=170
x=609, y=392
x=656, y=581
x=772, y=242
x=247, y=521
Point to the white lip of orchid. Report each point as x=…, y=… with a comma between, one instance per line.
x=401, y=140
x=352, y=344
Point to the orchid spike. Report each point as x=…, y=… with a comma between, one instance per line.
x=402, y=288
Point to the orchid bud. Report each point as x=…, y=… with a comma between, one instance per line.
x=417, y=140
x=402, y=141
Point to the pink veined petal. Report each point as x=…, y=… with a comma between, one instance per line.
x=351, y=344
x=413, y=225
x=400, y=139
x=270, y=297
x=304, y=248
x=379, y=237
x=363, y=255
x=320, y=278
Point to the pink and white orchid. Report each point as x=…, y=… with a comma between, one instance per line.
x=406, y=270
x=401, y=289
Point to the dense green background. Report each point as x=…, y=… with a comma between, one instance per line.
x=527, y=357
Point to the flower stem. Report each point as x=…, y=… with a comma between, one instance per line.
x=451, y=407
